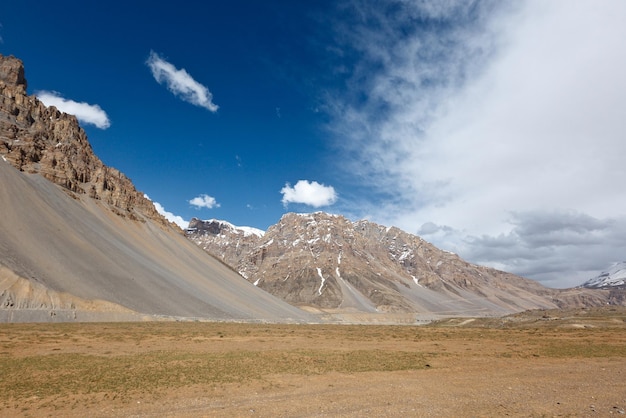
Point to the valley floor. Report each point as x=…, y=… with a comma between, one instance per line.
x=538, y=364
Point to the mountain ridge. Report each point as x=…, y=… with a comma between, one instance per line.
x=44, y=140
x=323, y=261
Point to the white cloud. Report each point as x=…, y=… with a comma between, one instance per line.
x=310, y=193
x=180, y=83
x=491, y=132
x=169, y=215
x=204, y=201
x=84, y=112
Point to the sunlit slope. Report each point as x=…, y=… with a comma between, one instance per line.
x=77, y=246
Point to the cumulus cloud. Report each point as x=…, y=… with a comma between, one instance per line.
x=204, y=201
x=495, y=129
x=168, y=215
x=84, y=112
x=309, y=193
x=180, y=83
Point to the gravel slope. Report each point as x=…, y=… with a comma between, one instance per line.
x=75, y=245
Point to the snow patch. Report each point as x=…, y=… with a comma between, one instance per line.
x=416, y=281
x=319, y=272
x=405, y=254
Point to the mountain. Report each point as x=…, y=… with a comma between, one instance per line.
x=43, y=140
x=613, y=278
x=326, y=262
x=79, y=242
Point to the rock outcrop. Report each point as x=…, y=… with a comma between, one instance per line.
x=328, y=262
x=39, y=139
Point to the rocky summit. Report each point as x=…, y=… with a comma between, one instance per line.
x=39, y=139
x=328, y=262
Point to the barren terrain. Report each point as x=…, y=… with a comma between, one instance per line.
x=67, y=257
x=541, y=363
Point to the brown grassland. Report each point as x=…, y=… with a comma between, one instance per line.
x=539, y=363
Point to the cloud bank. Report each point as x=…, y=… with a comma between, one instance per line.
x=204, y=201
x=493, y=129
x=180, y=83
x=84, y=112
x=309, y=193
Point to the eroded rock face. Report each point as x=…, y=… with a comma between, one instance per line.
x=39, y=139
x=326, y=261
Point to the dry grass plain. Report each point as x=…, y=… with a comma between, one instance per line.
x=541, y=363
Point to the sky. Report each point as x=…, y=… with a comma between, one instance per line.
x=493, y=129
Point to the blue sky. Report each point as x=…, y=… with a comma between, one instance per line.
x=493, y=129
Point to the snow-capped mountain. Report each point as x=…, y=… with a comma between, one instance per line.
x=614, y=277
x=223, y=240
x=328, y=262
x=215, y=226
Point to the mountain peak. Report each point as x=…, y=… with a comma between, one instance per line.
x=39, y=139
x=614, y=277
x=216, y=227
x=12, y=72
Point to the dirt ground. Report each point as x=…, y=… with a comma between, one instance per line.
x=540, y=364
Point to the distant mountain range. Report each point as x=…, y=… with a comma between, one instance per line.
x=613, y=278
x=325, y=262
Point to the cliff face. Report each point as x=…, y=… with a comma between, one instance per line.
x=39, y=139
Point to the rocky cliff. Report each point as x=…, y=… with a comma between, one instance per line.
x=39, y=139
x=328, y=262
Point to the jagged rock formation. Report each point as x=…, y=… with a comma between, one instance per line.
x=326, y=261
x=39, y=139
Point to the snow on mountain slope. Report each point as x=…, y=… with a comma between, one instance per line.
x=614, y=277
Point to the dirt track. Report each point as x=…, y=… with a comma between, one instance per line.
x=552, y=368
